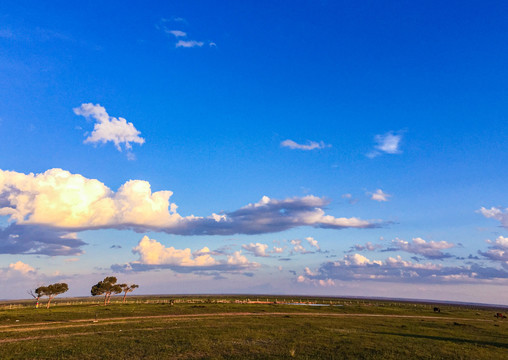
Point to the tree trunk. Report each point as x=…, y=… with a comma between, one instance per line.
x=124, y=296
x=49, y=301
x=105, y=299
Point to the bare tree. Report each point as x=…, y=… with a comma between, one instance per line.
x=106, y=287
x=127, y=289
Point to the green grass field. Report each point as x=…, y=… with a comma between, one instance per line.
x=219, y=328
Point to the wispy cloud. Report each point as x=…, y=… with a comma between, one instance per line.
x=189, y=43
x=177, y=33
x=109, y=129
x=388, y=143
x=311, y=145
x=369, y=246
x=379, y=195
x=180, y=35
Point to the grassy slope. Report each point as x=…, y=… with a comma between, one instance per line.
x=268, y=331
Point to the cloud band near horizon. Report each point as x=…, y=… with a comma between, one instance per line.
x=61, y=202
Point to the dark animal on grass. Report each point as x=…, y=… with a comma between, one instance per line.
x=436, y=309
x=500, y=316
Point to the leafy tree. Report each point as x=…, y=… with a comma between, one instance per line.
x=106, y=287
x=51, y=291
x=127, y=289
x=37, y=294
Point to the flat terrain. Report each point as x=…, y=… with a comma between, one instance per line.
x=220, y=328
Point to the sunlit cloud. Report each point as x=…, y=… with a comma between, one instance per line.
x=109, y=129
x=395, y=269
x=22, y=268
x=65, y=202
x=428, y=249
x=311, y=145
x=257, y=249
x=498, y=251
x=312, y=242
x=189, y=43
x=154, y=255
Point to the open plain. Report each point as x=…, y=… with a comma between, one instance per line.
x=222, y=327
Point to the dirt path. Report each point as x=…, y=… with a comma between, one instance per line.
x=119, y=320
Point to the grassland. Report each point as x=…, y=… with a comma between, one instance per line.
x=226, y=328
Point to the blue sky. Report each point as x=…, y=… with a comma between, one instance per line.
x=335, y=148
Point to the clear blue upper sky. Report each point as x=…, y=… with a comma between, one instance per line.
x=392, y=115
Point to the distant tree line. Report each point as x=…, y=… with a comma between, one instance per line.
x=106, y=287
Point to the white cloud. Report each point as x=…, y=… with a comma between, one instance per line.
x=177, y=33
x=496, y=213
x=152, y=252
x=429, y=249
x=22, y=268
x=388, y=143
x=107, y=128
x=379, y=195
x=257, y=249
x=498, y=251
x=189, y=43
x=154, y=255
x=395, y=269
x=297, y=247
x=277, y=250
x=313, y=242
x=311, y=145
x=56, y=203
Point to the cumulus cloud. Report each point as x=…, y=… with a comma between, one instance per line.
x=312, y=242
x=311, y=145
x=428, y=249
x=388, y=143
x=257, y=249
x=498, y=251
x=379, y=195
x=109, y=129
x=154, y=255
x=22, y=268
x=277, y=250
x=496, y=213
x=395, y=269
x=56, y=203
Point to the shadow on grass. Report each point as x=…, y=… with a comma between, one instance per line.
x=443, y=338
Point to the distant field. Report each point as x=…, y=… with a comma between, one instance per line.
x=227, y=327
